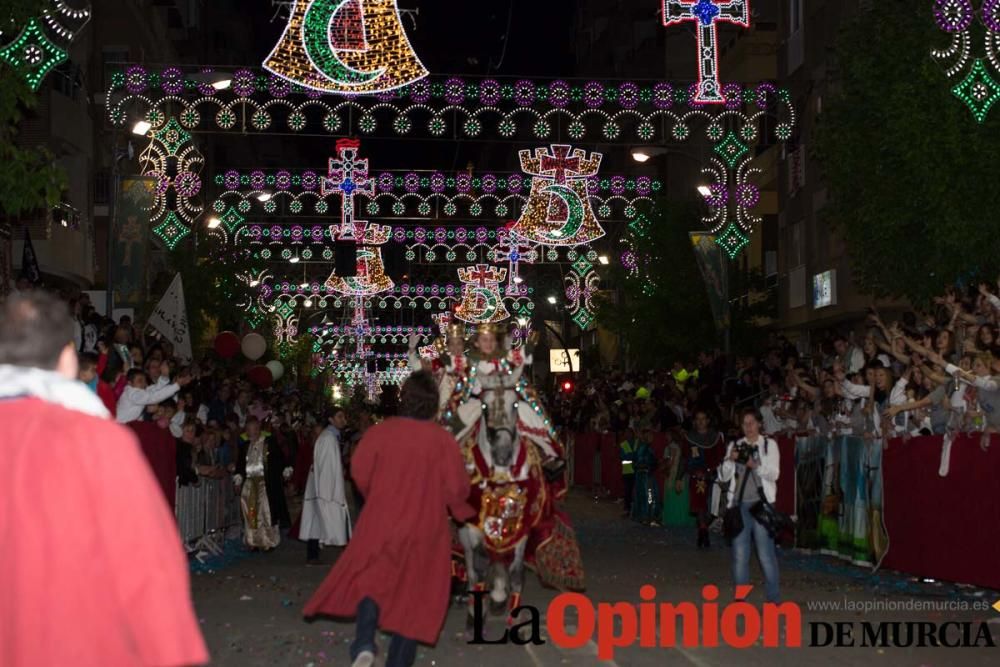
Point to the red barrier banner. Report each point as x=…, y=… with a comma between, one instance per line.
x=943, y=527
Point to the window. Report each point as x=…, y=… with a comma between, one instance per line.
x=794, y=16
x=112, y=58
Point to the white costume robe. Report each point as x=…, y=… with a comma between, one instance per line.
x=325, y=516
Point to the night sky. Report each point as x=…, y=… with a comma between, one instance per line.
x=453, y=37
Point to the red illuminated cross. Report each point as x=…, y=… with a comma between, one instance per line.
x=560, y=163
x=707, y=13
x=483, y=274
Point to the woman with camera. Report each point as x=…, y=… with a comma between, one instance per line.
x=751, y=468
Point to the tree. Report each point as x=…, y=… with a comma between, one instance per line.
x=29, y=180
x=663, y=312
x=212, y=290
x=910, y=171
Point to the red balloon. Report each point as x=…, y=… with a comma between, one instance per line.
x=260, y=376
x=227, y=344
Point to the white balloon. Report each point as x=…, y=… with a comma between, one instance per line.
x=276, y=368
x=254, y=346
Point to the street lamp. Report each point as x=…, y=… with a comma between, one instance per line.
x=603, y=259
x=214, y=222
x=264, y=196
x=217, y=80
x=643, y=154
x=141, y=127
x=704, y=191
x=552, y=300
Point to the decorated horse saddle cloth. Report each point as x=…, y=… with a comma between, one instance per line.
x=509, y=507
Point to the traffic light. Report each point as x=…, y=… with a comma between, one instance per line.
x=567, y=386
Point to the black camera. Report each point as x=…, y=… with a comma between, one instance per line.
x=744, y=452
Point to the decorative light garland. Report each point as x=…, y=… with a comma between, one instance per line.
x=581, y=286
x=979, y=90
x=171, y=148
x=345, y=46
x=456, y=107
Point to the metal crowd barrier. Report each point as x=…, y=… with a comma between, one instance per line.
x=205, y=513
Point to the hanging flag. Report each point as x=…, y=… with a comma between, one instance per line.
x=713, y=269
x=29, y=261
x=170, y=319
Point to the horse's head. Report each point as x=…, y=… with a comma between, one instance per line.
x=502, y=446
x=500, y=420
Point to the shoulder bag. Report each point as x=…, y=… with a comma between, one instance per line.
x=765, y=514
x=732, y=520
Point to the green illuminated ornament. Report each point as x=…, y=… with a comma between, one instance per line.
x=232, y=219
x=171, y=230
x=640, y=226
x=978, y=90
x=33, y=54
x=582, y=266
x=732, y=241
x=731, y=149
x=172, y=136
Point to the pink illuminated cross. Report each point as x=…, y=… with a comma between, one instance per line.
x=708, y=14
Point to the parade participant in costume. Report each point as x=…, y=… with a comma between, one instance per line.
x=536, y=476
x=676, y=499
x=449, y=366
x=626, y=452
x=705, y=451
x=325, y=517
x=93, y=568
x=260, y=531
x=394, y=574
x=646, y=503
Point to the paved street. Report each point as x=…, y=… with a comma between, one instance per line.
x=250, y=609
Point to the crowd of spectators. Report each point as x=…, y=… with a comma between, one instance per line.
x=203, y=403
x=927, y=372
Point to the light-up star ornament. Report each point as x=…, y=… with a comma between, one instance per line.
x=346, y=46
x=708, y=14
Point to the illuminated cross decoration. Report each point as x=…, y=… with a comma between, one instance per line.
x=514, y=251
x=482, y=274
x=708, y=14
x=556, y=166
x=347, y=176
x=360, y=326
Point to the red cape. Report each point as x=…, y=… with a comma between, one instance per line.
x=160, y=450
x=411, y=474
x=96, y=575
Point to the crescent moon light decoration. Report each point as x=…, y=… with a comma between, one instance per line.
x=346, y=46
x=558, y=211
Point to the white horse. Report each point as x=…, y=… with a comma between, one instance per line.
x=498, y=442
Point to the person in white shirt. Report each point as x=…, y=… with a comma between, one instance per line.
x=754, y=458
x=137, y=396
x=851, y=356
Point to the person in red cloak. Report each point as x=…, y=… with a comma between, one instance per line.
x=395, y=573
x=93, y=573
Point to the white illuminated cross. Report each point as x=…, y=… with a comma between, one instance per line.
x=707, y=13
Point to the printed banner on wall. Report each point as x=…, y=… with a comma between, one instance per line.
x=840, y=497
x=713, y=270
x=131, y=242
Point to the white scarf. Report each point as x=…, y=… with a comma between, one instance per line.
x=51, y=387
